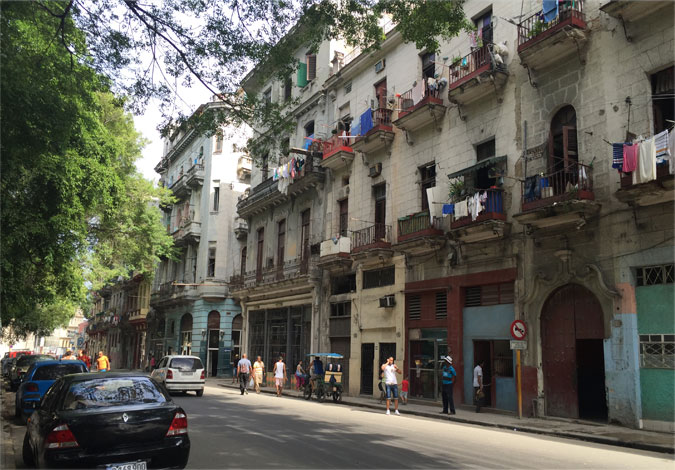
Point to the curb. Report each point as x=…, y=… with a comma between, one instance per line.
x=529, y=430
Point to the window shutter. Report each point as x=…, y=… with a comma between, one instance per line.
x=311, y=67
x=414, y=307
x=302, y=75
x=441, y=305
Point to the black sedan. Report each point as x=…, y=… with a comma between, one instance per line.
x=117, y=421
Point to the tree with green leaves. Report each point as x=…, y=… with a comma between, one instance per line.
x=73, y=207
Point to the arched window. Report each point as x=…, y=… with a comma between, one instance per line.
x=562, y=142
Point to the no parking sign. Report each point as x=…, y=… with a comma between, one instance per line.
x=518, y=330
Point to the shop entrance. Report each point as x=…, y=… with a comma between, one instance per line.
x=426, y=356
x=572, y=333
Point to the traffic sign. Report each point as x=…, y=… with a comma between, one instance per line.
x=518, y=330
x=515, y=344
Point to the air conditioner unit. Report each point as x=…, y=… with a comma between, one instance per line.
x=379, y=66
x=375, y=170
x=387, y=301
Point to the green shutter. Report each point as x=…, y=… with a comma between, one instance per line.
x=302, y=75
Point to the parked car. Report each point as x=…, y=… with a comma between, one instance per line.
x=21, y=367
x=181, y=374
x=113, y=420
x=7, y=366
x=37, y=381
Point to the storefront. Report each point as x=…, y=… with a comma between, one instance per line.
x=426, y=349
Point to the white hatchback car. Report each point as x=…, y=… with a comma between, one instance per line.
x=181, y=374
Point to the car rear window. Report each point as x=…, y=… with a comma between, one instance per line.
x=27, y=360
x=55, y=371
x=113, y=391
x=186, y=363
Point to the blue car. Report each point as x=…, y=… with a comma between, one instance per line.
x=37, y=381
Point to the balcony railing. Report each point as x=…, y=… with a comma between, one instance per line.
x=195, y=175
x=335, y=144
x=473, y=63
x=373, y=236
x=493, y=209
x=416, y=225
x=573, y=182
x=288, y=270
x=407, y=103
x=382, y=117
x=534, y=26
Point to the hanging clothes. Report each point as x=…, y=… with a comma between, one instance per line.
x=630, y=157
x=550, y=10
x=417, y=92
x=473, y=39
x=366, y=120
x=461, y=209
x=647, y=162
x=448, y=209
x=662, y=148
x=617, y=155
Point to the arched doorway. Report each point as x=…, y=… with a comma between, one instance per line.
x=213, y=324
x=186, y=334
x=563, y=152
x=237, y=323
x=573, y=363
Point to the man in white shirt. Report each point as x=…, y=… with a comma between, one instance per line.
x=478, y=384
x=244, y=373
x=391, y=383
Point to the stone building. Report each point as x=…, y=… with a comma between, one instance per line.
x=192, y=310
x=517, y=119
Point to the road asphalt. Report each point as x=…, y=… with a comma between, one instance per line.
x=229, y=430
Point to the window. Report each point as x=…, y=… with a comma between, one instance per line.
x=311, y=67
x=186, y=364
x=378, y=278
x=267, y=96
x=341, y=309
x=264, y=166
x=493, y=294
x=309, y=129
x=343, y=284
x=305, y=235
x=211, y=265
x=441, y=305
x=216, y=198
x=483, y=23
x=242, y=268
x=663, y=99
x=483, y=152
x=427, y=180
x=414, y=306
x=657, y=351
x=502, y=358
x=344, y=217
x=281, y=242
x=428, y=65
x=652, y=275
x=348, y=88
x=260, y=253
x=113, y=391
x=380, y=197
x=219, y=142
x=288, y=89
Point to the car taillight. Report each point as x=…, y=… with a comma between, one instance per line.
x=178, y=425
x=61, y=437
x=31, y=387
x=202, y=376
x=169, y=374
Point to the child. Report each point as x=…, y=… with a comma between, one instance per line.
x=404, y=389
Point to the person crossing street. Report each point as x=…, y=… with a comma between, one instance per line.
x=244, y=373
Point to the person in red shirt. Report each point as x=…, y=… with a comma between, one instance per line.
x=84, y=358
x=405, y=385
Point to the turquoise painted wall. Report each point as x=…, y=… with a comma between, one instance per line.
x=489, y=323
x=656, y=315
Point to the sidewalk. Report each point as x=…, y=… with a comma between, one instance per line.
x=586, y=431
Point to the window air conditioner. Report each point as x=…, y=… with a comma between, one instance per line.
x=375, y=170
x=387, y=301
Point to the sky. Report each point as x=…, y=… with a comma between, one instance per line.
x=147, y=124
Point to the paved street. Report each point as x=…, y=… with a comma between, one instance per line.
x=262, y=431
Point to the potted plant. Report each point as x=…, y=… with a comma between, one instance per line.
x=457, y=190
x=537, y=28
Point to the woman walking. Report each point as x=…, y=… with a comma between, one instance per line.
x=280, y=375
x=258, y=373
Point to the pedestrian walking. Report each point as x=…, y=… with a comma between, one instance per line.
x=300, y=375
x=280, y=375
x=84, y=358
x=68, y=356
x=244, y=373
x=153, y=362
x=390, y=370
x=381, y=388
x=102, y=362
x=405, y=386
x=235, y=376
x=478, y=385
x=449, y=375
x=258, y=373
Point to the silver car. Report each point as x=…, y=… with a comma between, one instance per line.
x=181, y=374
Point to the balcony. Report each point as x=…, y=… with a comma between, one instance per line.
x=419, y=112
x=541, y=44
x=337, y=153
x=294, y=269
x=375, y=237
x=380, y=136
x=560, y=198
x=418, y=234
x=631, y=10
x=195, y=176
x=267, y=194
x=213, y=289
x=657, y=191
x=240, y=228
x=244, y=165
x=335, y=253
x=189, y=231
x=174, y=292
x=476, y=75
x=180, y=187
x=138, y=316
x=488, y=224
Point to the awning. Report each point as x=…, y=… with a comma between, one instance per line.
x=481, y=164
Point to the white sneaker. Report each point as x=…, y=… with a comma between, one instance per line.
x=396, y=412
x=388, y=412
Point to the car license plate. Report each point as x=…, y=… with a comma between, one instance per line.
x=186, y=373
x=142, y=465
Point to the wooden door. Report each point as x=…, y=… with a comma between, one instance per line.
x=344, y=217
x=367, y=358
x=259, y=255
x=381, y=94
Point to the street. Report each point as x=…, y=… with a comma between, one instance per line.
x=229, y=430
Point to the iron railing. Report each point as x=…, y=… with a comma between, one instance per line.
x=378, y=233
x=534, y=25
x=493, y=208
x=334, y=143
x=382, y=117
x=416, y=223
x=573, y=182
x=288, y=270
x=406, y=101
x=471, y=62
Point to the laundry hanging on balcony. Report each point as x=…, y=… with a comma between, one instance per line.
x=646, y=162
x=366, y=121
x=642, y=156
x=550, y=10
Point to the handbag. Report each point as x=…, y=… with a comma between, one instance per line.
x=250, y=382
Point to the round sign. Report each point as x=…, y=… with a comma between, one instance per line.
x=518, y=329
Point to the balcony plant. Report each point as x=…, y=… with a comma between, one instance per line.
x=537, y=28
x=457, y=190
